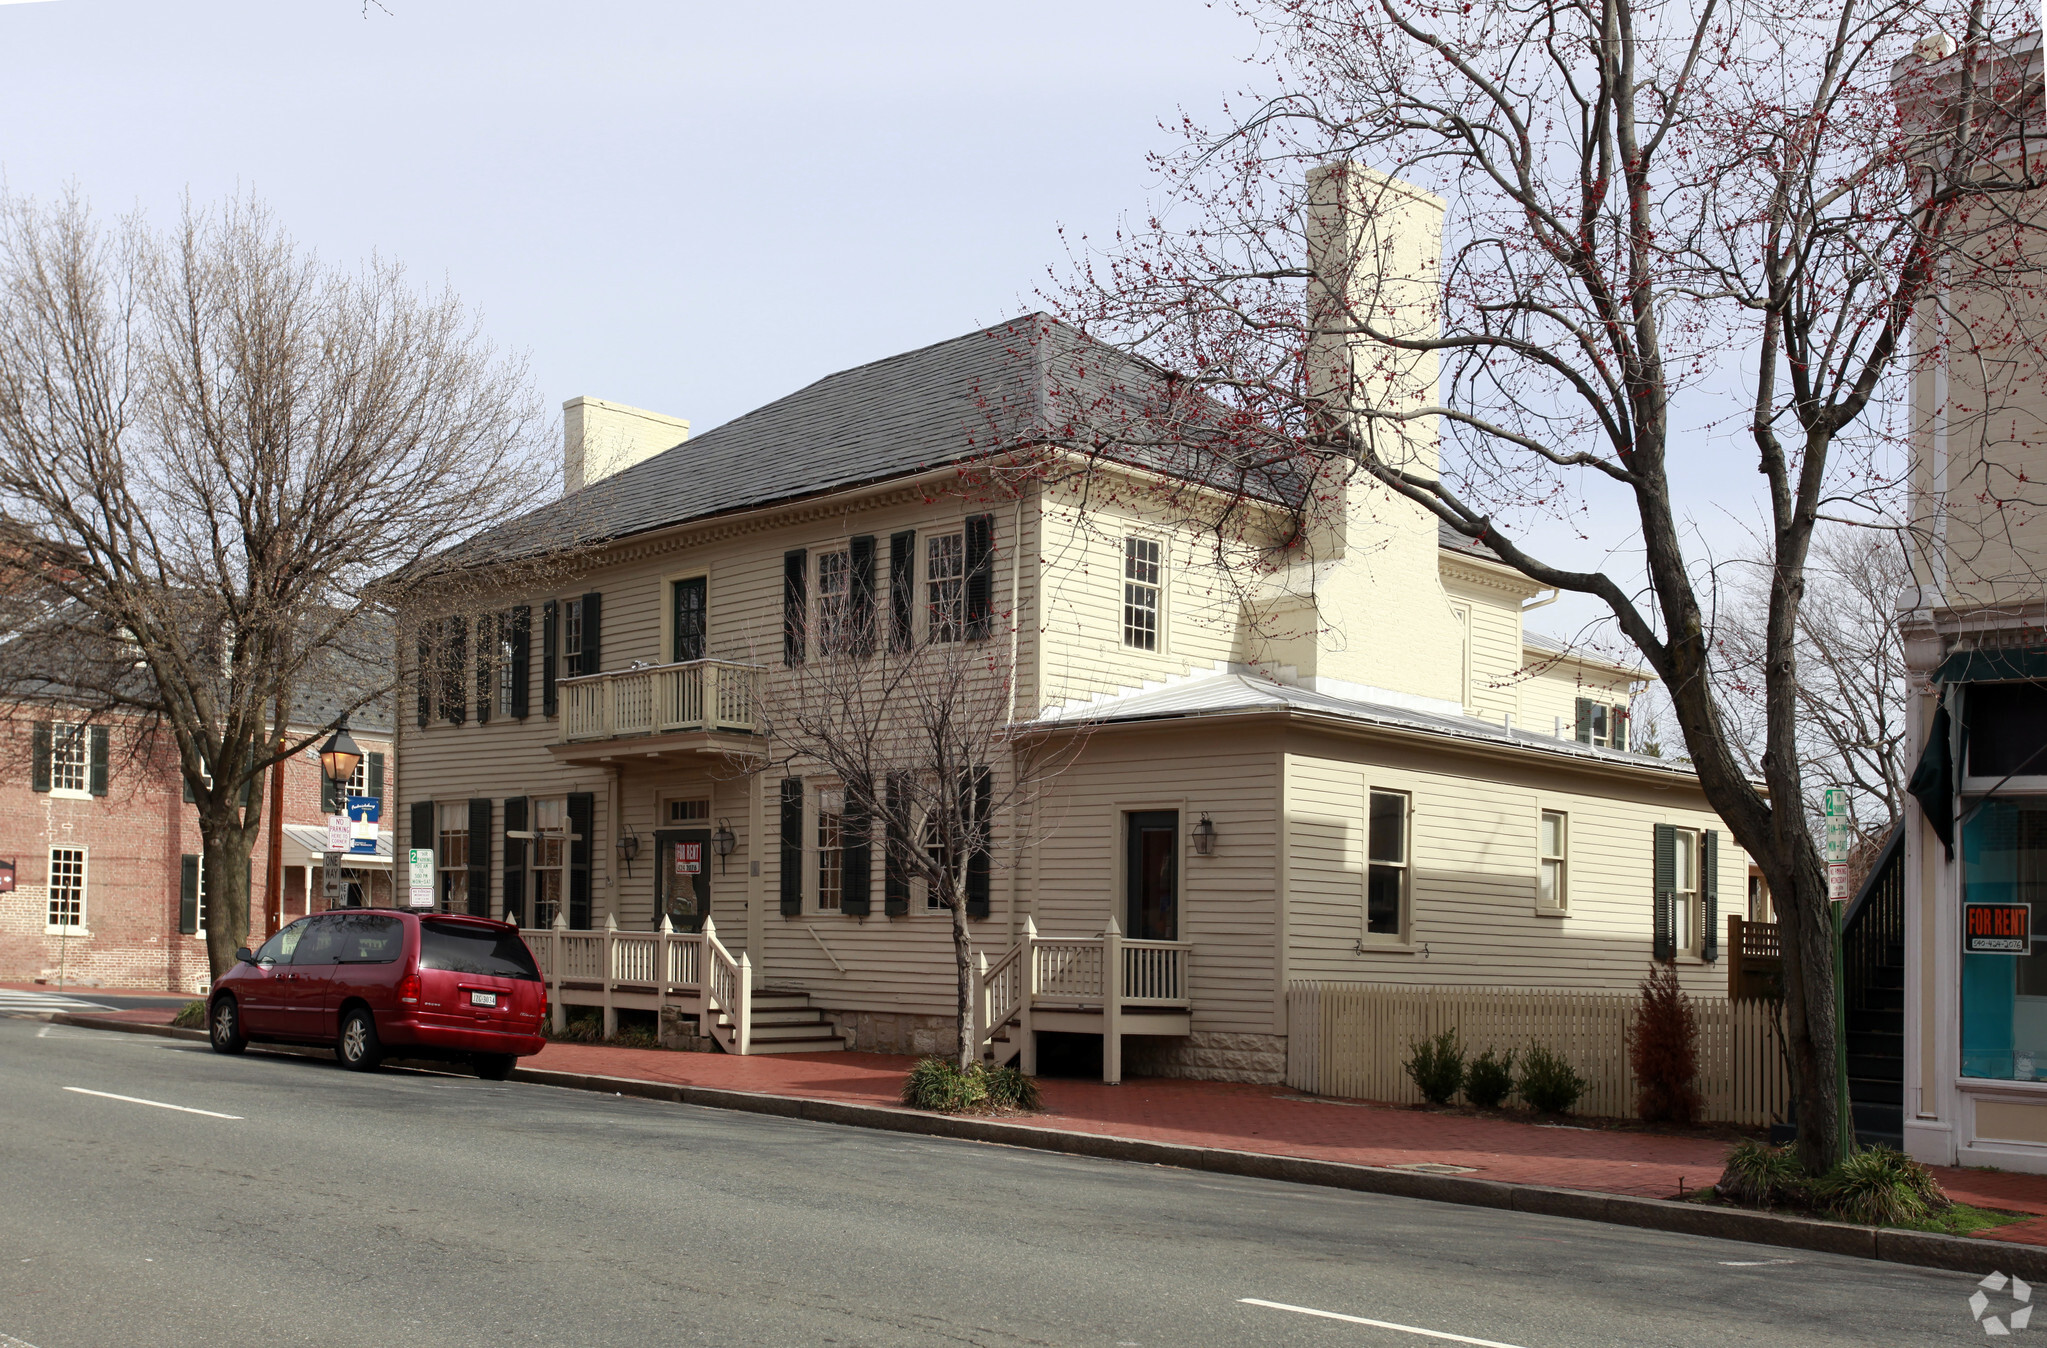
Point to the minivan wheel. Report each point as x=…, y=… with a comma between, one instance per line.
x=357, y=1046
x=224, y=1027
x=495, y=1066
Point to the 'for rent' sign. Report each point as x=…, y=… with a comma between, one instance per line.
x=1997, y=928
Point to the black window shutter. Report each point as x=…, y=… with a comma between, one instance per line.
x=522, y=658
x=98, y=736
x=795, y=567
x=902, y=590
x=479, y=858
x=856, y=856
x=39, y=770
x=895, y=871
x=515, y=859
x=377, y=776
x=592, y=651
x=186, y=783
x=423, y=824
x=550, y=644
x=330, y=797
x=582, y=813
x=861, y=556
x=188, y=894
x=977, y=860
x=792, y=846
x=980, y=576
x=1584, y=720
x=486, y=665
x=1664, y=932
x=454, y=659
x=425, y=671
x=1709, y=898
x=686, y=620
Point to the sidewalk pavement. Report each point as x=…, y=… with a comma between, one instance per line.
x=1274, y=1120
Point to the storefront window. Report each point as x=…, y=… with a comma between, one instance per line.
x=2004, y=996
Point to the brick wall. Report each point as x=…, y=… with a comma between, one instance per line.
x=134, y=838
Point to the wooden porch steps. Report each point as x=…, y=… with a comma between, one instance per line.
x=786, y=1022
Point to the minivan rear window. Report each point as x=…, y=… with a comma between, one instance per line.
x=474, y=950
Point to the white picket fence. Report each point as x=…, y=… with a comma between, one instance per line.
x=1351, y=1041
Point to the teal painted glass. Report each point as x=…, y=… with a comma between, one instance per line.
x=2004, y=997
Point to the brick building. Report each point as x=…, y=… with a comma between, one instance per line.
x=104, y=848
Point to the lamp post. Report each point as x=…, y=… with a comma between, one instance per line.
x=338, y=759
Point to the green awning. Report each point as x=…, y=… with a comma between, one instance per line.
x=1991, y=666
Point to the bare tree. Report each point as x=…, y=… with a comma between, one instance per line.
x=1661, y=220
x=1851, y=684
x=921, y=737
x=213, y=451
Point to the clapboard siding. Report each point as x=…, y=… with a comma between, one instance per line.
x=1473, y=845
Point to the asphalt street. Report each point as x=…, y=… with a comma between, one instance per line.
x=307, y=1205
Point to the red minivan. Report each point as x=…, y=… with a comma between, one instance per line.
x=377, y=981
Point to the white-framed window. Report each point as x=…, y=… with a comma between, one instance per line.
x=451, y=855
x=1386, y=864
x=1141, y=566
x=834, y=599
x=1553, y=877
x=359, y=780
x=689, y=811
x=67, y=889
x=1686, y=922
x=945, y=587
x=1602, y=725
x=572, y=638
x=547, y=857
x=831, y=844
x=70, y=761
x=506, y=671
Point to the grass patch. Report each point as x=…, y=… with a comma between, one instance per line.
x=1962, y=1220
x=191, y=1016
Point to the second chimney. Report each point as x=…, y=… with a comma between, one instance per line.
x=601, y=438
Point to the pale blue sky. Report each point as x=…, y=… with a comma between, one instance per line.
x=692, y=207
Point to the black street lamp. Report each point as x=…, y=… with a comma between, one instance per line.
x=340, y=755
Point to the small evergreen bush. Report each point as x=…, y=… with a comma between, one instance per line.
x=1548, y=1083
x=1759, y=1177
x=1436, y=1066
x=938, y=1084
x=191, y=1016
x=1490, y=1079
x=1880, y=1186
x=1663, y=1050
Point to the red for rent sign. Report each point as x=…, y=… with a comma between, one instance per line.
x=1997, y=928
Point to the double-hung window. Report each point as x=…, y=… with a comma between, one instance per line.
x=834, y=600
x=1685, y=923
x=831, y=857
x=1552, y=880
x=67, y=889
x=549, y=852
x=945, y=587
x=1141, y=593
x=70, y=761
x=572, y=638
x=1387, y=888
x=1602, y=726
x=452, y=856
x=507, y=673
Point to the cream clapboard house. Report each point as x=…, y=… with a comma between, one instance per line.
x=1398, y=784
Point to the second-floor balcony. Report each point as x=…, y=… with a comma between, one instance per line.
x=693, y=699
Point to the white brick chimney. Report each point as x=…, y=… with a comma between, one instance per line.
x=601, y=438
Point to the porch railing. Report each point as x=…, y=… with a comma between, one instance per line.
x=1104, y=973
x=692, y=970
x=661, y=699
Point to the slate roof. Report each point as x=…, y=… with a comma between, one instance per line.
x=1237, y=691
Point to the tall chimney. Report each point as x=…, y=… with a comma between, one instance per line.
x=601, y=438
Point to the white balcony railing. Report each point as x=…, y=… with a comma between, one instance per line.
x=661, y=699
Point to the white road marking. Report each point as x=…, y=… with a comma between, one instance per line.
x=14, y=1000
x=6, y=1342
x=1377, y=1324
x=1754, y=1263
x=155, y=1104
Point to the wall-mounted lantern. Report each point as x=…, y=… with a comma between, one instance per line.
x=722, y=842
x=1204, y=837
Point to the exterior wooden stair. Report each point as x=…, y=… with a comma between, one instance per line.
x=784, y=1021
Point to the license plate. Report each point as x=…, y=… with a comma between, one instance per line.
x=483, y=999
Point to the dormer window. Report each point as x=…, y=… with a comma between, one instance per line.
x=1601, y=725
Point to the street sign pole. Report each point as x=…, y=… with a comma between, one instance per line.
x=1837, y=835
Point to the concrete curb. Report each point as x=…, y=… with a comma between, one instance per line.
x=1959, y=1253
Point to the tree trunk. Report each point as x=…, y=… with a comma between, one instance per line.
x=962, y=948
x=226, y=871
x=1806, y=929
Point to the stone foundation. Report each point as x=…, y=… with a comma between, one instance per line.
x=896, y=1032
x=1207, y=1056
x=678, y=1031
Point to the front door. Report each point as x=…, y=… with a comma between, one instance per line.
x=682, y=875
x=1152, y=875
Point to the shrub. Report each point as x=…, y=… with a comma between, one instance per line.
x=1009, y=1088
x=938, y=1084
x=1490, y=1079
x=1663, y=1050
x=191, y=1016
x=1548, y=1083
x=1436, y=1066
x=1880, y=1186
x=1758, y=1176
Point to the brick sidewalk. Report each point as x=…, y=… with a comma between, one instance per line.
x=1271, y=1119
